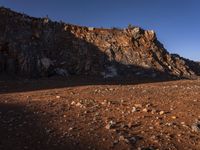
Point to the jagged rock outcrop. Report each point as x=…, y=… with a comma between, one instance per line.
x=35, y=47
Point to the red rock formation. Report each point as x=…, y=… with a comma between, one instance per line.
x=35, y=47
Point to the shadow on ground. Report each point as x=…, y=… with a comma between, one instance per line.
x=25, y=85
x=24, y=129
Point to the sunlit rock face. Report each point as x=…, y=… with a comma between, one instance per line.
x=38, y=47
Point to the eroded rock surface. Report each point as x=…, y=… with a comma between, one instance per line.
x=35, y=47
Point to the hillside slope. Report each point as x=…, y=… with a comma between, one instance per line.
x=36, y=47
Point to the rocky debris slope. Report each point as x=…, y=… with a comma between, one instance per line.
x=35, y=47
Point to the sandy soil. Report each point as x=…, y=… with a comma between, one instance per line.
x=58, y=114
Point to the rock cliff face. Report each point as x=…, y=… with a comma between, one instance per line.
x=36, y=47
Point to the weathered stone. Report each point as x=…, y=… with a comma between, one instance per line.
x=110, y=125
x=136, y=33
x=161, y=112
x=134, y=109
x=150, y=35
x=196, y=126
x=34, y=47
x=90, y=28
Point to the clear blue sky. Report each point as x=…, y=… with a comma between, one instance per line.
x=177, y=22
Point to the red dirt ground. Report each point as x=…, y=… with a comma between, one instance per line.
x=58, y=114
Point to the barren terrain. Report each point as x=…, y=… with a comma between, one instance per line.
x=58, y=114
x=70, y=87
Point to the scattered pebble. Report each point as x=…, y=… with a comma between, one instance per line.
x=70, y=129
x=122, y=138
x=57, y=96
x=145, y=110
x=78, y=104
x=196, y=126
x=173, y=117
x=134, y=109
x=161, y=112
x=138, y=105
x=110, y=125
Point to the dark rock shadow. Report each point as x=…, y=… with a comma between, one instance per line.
x=21, y=129
x=24, y=85
x=24, y=129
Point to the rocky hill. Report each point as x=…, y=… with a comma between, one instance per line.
x=39, y=47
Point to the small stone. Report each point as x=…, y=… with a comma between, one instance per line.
x=148, y=105
x=151, y=128
x=179, y=135
x=73, y=102
x=57, y=96
x=153, y=111
x=183, y=123
x=133, y=140
x=174, y=117
x=70, y=129
x=111, y=89
x=110, y=125
x=196, y=126
x=78, y=104
x=145, y=110
x=134, y=109
x=72, y=93
x=161, y=112
x=122, y=138
x=138, y=105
